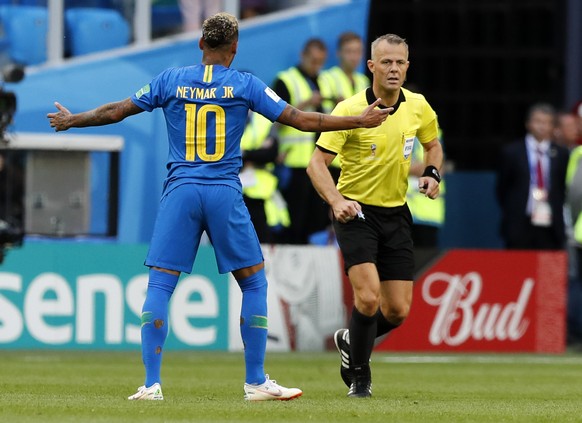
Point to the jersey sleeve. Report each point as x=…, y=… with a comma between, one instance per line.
x=334, y=141
x=151, y=95
x=264, y=100
x=429, y=127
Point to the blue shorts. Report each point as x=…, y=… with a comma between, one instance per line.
x=189, y=209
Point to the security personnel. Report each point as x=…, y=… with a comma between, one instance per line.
x=300, y=87
x=344, y=80
x=371, y=219
x=428, y=216
x=266, y=206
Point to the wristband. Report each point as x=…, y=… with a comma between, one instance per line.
x=433, y=173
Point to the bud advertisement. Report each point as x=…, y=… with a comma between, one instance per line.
x=497, y=301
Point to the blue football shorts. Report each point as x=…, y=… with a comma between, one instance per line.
x=188, y=210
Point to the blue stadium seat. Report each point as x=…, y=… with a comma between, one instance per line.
x=90, y=30
x=68, y=3
x=25, y=28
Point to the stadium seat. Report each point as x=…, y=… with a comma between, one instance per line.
x=90, y=30
x=25, y=28
x=166, y=19
x=67, y=4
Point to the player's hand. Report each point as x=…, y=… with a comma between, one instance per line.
x=346, y=210
x=428, y=186
x=372, y=116
x=59, y=120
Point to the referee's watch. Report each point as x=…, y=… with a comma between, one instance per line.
x=433, y=173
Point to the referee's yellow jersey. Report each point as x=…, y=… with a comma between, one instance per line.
x=375, y=161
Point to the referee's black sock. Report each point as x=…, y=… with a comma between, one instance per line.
x=383, y=325
x=362, y=335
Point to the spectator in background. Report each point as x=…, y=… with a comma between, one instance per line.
x=566, y=132
x=577, y=111
x=574, y=216
x=300, y=87
x=265, y=203
x=195, y=11
x=531, y=185
x=344, y=80
x=252, y=8
x=428, y=215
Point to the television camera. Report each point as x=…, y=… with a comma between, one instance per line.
x=11, y=170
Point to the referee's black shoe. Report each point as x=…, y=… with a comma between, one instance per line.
x=341, y=337
x=361, y=386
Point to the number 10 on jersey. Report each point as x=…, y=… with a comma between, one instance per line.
x=197, y=130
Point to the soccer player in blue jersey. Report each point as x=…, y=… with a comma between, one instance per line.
x=206, y=107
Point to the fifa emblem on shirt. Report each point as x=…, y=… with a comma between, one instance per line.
x=407, y=150
x=373, y=149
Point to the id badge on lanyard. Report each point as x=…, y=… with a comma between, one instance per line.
x=541, y=212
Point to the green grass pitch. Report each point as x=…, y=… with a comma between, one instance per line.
x=55, y=386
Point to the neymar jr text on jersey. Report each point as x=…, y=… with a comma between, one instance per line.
x=196, y=93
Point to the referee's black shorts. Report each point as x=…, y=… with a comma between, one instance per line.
x=383, y=238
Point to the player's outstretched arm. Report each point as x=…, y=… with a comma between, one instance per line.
x=102, y=115
x=319, y=122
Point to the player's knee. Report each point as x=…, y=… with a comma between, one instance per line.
x=398, y=313
x=256, y=281
x=367, y=302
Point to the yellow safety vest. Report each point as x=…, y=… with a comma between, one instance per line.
x=573, y=167
x=297, y=145
x=264, y=183
x=424, y=210
x=335, y=84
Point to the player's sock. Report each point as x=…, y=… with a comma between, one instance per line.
x=253, y=325
x=154, y=322
x=383, y=325
x=362, y=335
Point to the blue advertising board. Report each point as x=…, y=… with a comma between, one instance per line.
x=89, y=296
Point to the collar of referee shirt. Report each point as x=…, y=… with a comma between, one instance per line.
x=370, y=97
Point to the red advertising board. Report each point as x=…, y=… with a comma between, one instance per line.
x=483, y=300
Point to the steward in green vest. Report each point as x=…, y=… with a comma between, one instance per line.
x=344, y=80
x=574, y=193
x=428, y=215
x=265, y=203
x=300, y=87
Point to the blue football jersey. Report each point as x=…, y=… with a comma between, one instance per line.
x=206, y=108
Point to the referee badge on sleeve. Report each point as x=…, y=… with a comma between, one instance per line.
x=407, y=150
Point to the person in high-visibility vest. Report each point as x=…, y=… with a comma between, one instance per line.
x=428, y=215
x=573, y=219
x=300, y=86
x=265, y=203
x=344, y=80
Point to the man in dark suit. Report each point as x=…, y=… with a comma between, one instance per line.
x=531, y=186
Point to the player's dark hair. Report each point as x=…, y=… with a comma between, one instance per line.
x=220, y=30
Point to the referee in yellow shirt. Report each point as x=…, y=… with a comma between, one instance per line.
x=371, y=218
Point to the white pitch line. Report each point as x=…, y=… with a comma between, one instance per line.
x=485, y=359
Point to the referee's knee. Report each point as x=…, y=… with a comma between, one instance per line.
x=367, y=303
x=397, y=313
